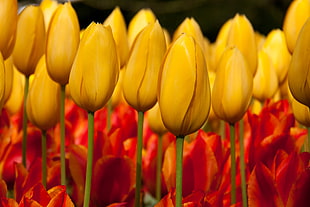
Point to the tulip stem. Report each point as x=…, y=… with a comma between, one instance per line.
x=158, y=167
x=242, y=165
x=89, y=166
x=62, y=135
x=233, y=164
x=109, y=114
x=44, y=167
x=179, y=170
x=25, y=120
x=139, y=158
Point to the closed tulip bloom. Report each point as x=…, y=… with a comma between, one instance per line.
x=117, y=96
x=95, y=69
x=8, y=24
x=30, y=40
x=140, y=80
x=43, y=98
x=48, y=8
x=8, y=77
x=233, y=85
x=2, y=82
x=118, y=26
x=301, y=112
x=275, y=46
x=155, y=121
x=295, y=17
x=265, y=79
x=63, y=39
x=298, y=72
x=184, y=91
x=138, y=22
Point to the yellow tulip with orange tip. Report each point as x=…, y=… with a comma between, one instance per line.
x=141, y=19
x=48, y=8
x=63, y=39
x=233, y=86
x=119, y=30
x=8, y=24
x=142, y=69
x=299, y=68
x=295, y=17
x=43, y=99
x=265, y=79
x=184, y=94
x=30, y=40
x=95, y=69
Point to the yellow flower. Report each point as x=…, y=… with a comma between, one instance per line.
x=2, y=82
x=8, y=77
x=301, y=112
x=117, y=96
x=299, y=69
x=155, y=121
x=184, y=91
x=63, y=39
x=265, y=79
x=141, y=73
x=295, y=17
x=48, y=8
x=275, y=47
x=95, y=69
x=8, y=24
x=30, y=40
x=118, y=26
x=233, y=85
x=138, y=22
x=43, y=98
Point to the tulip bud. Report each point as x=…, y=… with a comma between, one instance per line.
x=167, y=37
x=117, y=96
x=63, y=38
x=95, y=69
x=138, y=22
x=260, y=39
x=8, y=24
x=118, y=26
x=2, y=82
x=233, y=85
x=301, y=112
x=295, y=17
x=155, y=121
x=141, y=75
x=8, y=77
x=30, y=40
x=48, y=8
x=43, y=99
x=275, y=47
x=299, y=68
x=265, y=79
x=184, y=90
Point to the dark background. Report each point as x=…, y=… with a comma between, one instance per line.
x=264, y=15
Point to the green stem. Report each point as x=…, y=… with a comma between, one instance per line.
x=89, y=166
x=139, y=159
x=25, y=120
x=158, y=167
x=109, y=114
x=179, y=170
x=62, y=135
x=233, y=164
x=242, y=165
x=44, y=167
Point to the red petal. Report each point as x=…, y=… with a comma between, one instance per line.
x=59, y=197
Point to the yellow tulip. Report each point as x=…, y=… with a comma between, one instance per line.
x=233, y=85
x=118, y=26
x=30, y=40
x=2, y=81
x=8, y=24
x=8, y=77
x=16, y=97
x=167, y=37
x=260, y=39
x=242, y=35
x=212, y=76
x=265, y=79
x=138, y=22
x=155, y=121
x=224, y=31
x=275, y=47
x=63, y=39
x=43, y=99
x=95, y=69
x=117, y=96
x=295, y=17
x=299, y=69
x=184, y=91
x=48, y=8
x=301, y=112
x=140, y=80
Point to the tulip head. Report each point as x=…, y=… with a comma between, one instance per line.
x=48, y=8
x=95, y=69
x=43, y=98
x=2, y=82
x=155, y=121
x=233, y=85
x=63, y=39
x=8, y=75
x=118, y=26
x=141, y=73
x=301, y=112
x=184, y=90
x=8, y=24
x=30, y=40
